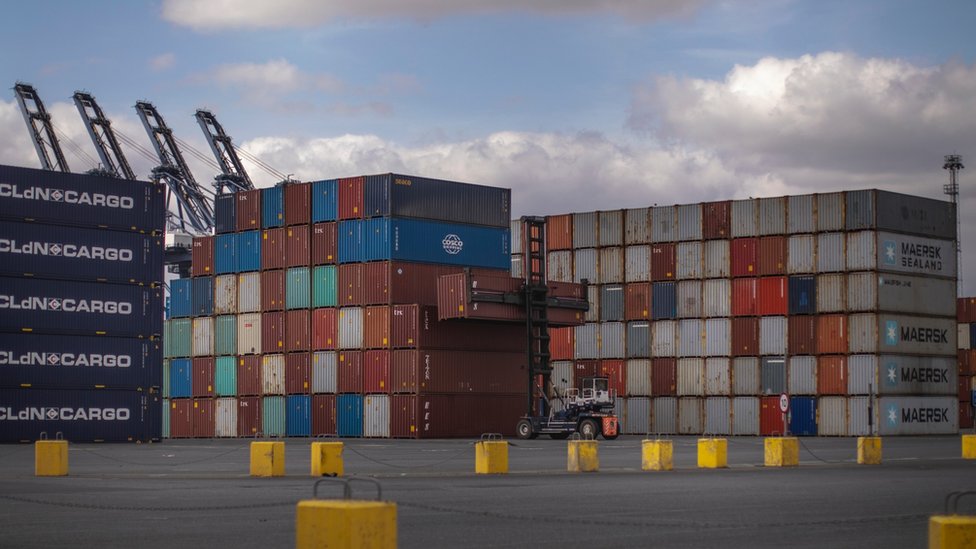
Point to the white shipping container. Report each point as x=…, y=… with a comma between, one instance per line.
x=772, y=335
x=518, y=269
x=559, y=267
x=832, y=416
x=585, y=265
x=918, y=415
x=831, y=293
x=587, y=345
x=716, y=298
x=249, y=334
x=903, y=334
x=690, y=222
x=802, y=377
x=249, y=293
x=690, y=416
x=689, y=260
x=203, y=336
x=857, y=417
x=593, y=298
x=772, y=216
x=612, y=339
x=898, y=253
x=273, y=374
x=915, y=375
x=745, y=218
x=799, y=217
x=637, y=263
x=745, y=375
x=690, y=376
x=689, y=299
x=718, y=416
x=690, y=337
x=665, y=418
x=376, y=416
x=516, y=235
x=225, y=418
x=862, y=250
x=562, y=376
x=324, y=372
x=831, y=256
x=638, y=414
x=718, y=379
x=663, y=338
x=718, y=337
x=225, y=294
x=862, y=374
x=898, y=293
x=963, y=336
x=638, y=377
x=637, y=226
x=586, y=227
x=612, y=228
x=801, y=258
x=717, y=258
x=745, y=416
x=612, y=265
x=830, y=212
x=350, y=328
x=663, y=224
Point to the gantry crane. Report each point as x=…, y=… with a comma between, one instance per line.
x=100, y=130
x=42, y=131
x=232, y=177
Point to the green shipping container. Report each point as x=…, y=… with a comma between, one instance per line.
x=297, y=288
x=181, y=330
x=167, y=339
x=324, y=286
x=166, y=413
x=225, y=376
x=273, y=416
x=226, y=340
x=166, y=367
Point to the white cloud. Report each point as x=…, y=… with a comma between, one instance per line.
x=162, y=61
x=229, y=14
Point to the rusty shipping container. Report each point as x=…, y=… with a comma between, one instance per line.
x=637, y=226
x=832, y=334
x=202, y=256
x=559, y=232
x=449, y=416
x=249, y=210
x=663, y=262
x=249, y=416
x=744, y=257
x=272, y=290
x=637, y=301
x=376, y=327
x=323, y=246
x=297, y=246
x=415, y=326
x=716, y=220
x=298, y=203
x=745, y=336
x=351, y=288
x=771, y=256
x=395, y=282
x=443, y=371
x=298, y=330
x=298, y=373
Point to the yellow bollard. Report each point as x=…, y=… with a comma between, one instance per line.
x=782, y=452
x=327, y=459
x=657, y=455
x=267, y=459
x=491, y=457
x=583, y=456
x=951, y=530
x=51, y=458
x=969, y=446
x=346, y=523
x=869, y=450
x=713, y=453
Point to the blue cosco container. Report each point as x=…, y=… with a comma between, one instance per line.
x=664, y=302
x=438, y=200
x=272, y=207
x=80, y=308
x=324, y=203
x=225, y=253
x=299, y=420
x=180, y=377
x=180, y=298
x=49, y=361
x=803, y=416
x=203, y=296
x=349, y=241
x=803, y=295
x=249, y=251
x=81, y=200
x=225, y=213
x=349, y=415
x=73, y=253
x=435, y=242
x=79, y=415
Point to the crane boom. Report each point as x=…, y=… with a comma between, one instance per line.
x=233, y=176
x=42, y=131
x=102, y=136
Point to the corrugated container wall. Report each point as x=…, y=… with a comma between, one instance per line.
x=690, y=222
x=611, y=265
x=716, y=220
x=800, y=215
x=559, y=266
x=663, y=224
x=611, y=228
x=637, y=226
x=831, y=255
x=744, y=218
x=717, y=259
x=585, y=265
x=586, y=230
x=772, y=216
x=689, y=260
x=718, y=416
x=830, y=212
x=637, y=263
x=559, y=232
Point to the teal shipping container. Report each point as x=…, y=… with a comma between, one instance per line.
x=324, y=286
x=225, y=376
x=298, y=292
x=226, y=335
x=273, y=416
x=166, y=374
x=167, y=339
x=166, y=412
x=181, y=331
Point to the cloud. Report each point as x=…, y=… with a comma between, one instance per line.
x=162, y=62
x=232, y=14
x=267, y=84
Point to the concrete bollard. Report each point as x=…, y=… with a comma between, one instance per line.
x=327, y=459
x=583, y=456
x=969, y=446
x=869, y=450
x=713, y=453
x=782, y=452
x=346, y=523
x=51, y=458
x=267, y=459
x=491, y=457
x=951, y=530
x=657, y=455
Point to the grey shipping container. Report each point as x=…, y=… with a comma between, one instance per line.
x=593, y=298
x=772, y=216
x=690, y=335
x=324, y=372
x=830, y=212
x=800, y=217
x=689, y=260
x=887, y=211
x=559, y=266
x=745, y=416
x=801, y=257
x=637, y=263
x=832, y=416
x=585, y=265
x=718, y=380
x=831, y=293
x=772, y=335
x=744, y=218
x=586, y=230
x=857, y=417
x=716, y=259
x=612, y=302
x=690, y=416
x=587, y=341
x=745, y=376
x=901, y=334
x=637, y=226
x=718, y=337
x=690, y=222
x=871, y=291
x=773, y=375
x=898, y=253
x=918, y=415
x=663, y=338
x=638, y=414
x=830, y=253
x=690, y=377
x=638, y=341
x=902, y=375
x=612, y=339
x=611, y=266
x=689, y=299
x=79, y=415
x=611, y=228
x=663, y=224
x=434, y=199
x=638, y=376
x=718, y=416
x=249, y=293
x=802, y=375
x=665, y=420
x=716, y=298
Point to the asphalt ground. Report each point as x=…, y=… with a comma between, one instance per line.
x=197, y=493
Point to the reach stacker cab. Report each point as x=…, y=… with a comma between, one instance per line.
x=588, y=411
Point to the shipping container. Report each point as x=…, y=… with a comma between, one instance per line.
x=324, y=200
x=181, y=344
x=611, y=339
x=803, y=416
x=832, y=416
x=611, y=231
x=800, y=214
x=204, y=417
x=665, y=416
x=586, y=230
x=432, y=242
x=830, y=212
x=351, y=289
x=831, y=293
x=745, y=220
x=637, y=226
x=771, y=255
x=349, y=415
x=350, y=328
x=716, y=298
x=415, y=326
x=664, y=300
x=690, y=416
x=249, y=416
x=559, y=232
x=298, y=203
x=181, y=418
x=688, y=257
x=638, y=377
x=180, y=298
x=272, y=332
x=802, y=375
x=298, y=415
x=202, y=296
x=324, y=286
x=831, y=252
x=744, y=257
x=690, y=377
x=718, y=416
x=376, y=327
x=663, y=224
x=586, y=265
x=890, y=333
x=638, y=339
x=273, y=374
x=638, y=416
x=273, y=290
x=203, y=337
x=663, y=262
x=611, y=303
x=444, y=371
x=745, y=416
x=561, y=343
x=297, y=246
x=745, y=376
x=745, y=336
x=225, y=378
x=772, y=216
x=772, y=422
x=323, y=415
x=323, y=246
x=716, y=220
x=873, y=292
x=225, y=295
x=376, y=371
x=802, y=335
x=249, y=251
x=869, y=250
x=419, y=197
x=349, y=374
x=274, y=416
x=298, y=331
x=772, y=296
x=664, y=338
x=272, y=206
x=225, y=255
x=249, y=334
x=298, y=292
x=717, y=377
x=772, y=375
x=716, y=259
x=691, y=334
x=901, y=375
x=664, y=372
x=802, y=295
x=376, y=416
x=744, y=296
x=203, y=377
x=773, y=335
x=273, y=249
x=637, y=301
x=917, y=415
x=324, y=372
x=592, y=314
x=181, y=377
x=832, y=375
x=444, y=416
x=587, y=341
x=559, y=266
x=801, y=254
x=225, y=213
x=611, y=265
x=718, y=337
x=689, y=222
x=832, y=332
x=689, y=294
x=79, y=415
x=248, y=210
x=249, y=293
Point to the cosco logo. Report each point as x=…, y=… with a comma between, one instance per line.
x=452, y=244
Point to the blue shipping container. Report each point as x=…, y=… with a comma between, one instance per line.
x=225, y=254
x=324, y=204
x=273, y=207
x=81, y=200
x=664, y=301
x=203, y=296
x=803, y=416
x=299, y=420
x=180, y=298
x=225, y=213
x=180, y=377
x=249, y=251
x=79, y=415
x=803, y=295
x=80, y=308
x=349, y=241
x=46, y=361
x=49, y=251
x=436, y=200
x=401, y=239
x=349, y=415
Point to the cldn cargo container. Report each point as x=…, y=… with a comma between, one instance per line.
x=79, y=308
x=81, y=200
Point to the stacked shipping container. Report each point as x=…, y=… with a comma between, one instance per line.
x=966, y=329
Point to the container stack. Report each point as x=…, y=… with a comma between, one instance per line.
x=966, y=317
x=81, y=267
x=312, y=312
x=703, y=314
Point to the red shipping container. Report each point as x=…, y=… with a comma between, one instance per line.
x=802, y=335
x=770, y=417
x=616, y=371
x=772, y=296
x=461, y=296
x=350, y=289
x=249, y=418
x=771, y=259
x=324, y=329
x=204, y=419
x=965, y=388
x=376, y=327
x=272, y=249
x=203, y=376
x=323, y=415
x=181, y=418
x=272, y=332
x=745, y=336
x=298, y=373
x=716, y=220
x=744, y=296
x=297, y=251
x=376, y=372
x=962, y=309
x=662, y=262
x=298, y=203
x=664, y=376
x=559, y=232
x=272, y=290
x=454, y=416
x=249, y=210
x=637, y=301
x=249, y=375
x=415, y=326
x=743, y=253
x=832, y=375
x=298, y=330
x=439, y=371
x=963, y=359
x=584, y=368
x=349, y=372
x=396, y=282
x=350, y=194
x=562, y=343
x=965, y=416
x=202, y=256
x=324, y=248
x=831, y=334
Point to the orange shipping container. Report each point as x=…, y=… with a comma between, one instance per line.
x=376, y=329
x=832, y=375
x=744, y=296
x=559, y=232
x=637, y=301
x=616, y=371
x=831, y=334
x=562, y=343
x=772, y=296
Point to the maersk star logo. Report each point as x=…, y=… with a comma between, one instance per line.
x=891, y=332
x=889, y=252
x=892, y=414
x=892, y=375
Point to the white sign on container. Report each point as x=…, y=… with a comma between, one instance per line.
x=915, y=415
x=902, y=334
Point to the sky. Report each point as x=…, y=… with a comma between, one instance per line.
x=576, y=105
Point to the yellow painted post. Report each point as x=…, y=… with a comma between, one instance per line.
x=583, y=456
x=952, y=532
x=346, y=523
x=491, y=457
x=327, y=459
x=782, y=452
x=869, y=450
x=267, y=459
x=713, y=453
x=969, y=446
x=51, y=458
x=657, y=455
